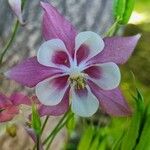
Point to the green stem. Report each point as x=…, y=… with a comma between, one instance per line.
x=12, y=37
x=9, y=43
x=113, y=29
x=44, y=124
x=58, y=129
x=23, y=4
x=38, y=143
x=42, y=129
x=55, y=129
x=50, y=142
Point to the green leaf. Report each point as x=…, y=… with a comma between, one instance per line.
x=71, y=123
x=86, y=138
x=131, y=136
x=102, y=145
x=95, y=142
x=145, y=136
x=36, y=121
x=117, y=144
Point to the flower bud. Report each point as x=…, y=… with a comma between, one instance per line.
x=15, y=5
x=12, y=130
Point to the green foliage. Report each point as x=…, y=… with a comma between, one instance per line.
x=86, y=138
x=123, y=10
x=71, y=123
x=95, y=143
x=138, y=134
x=121, y=134
x=101, y=138
x=144, y=142
x=117, y=144
x=129, y=140
x=36, y=121
x=93, y=138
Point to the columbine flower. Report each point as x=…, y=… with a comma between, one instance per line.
x=77, y=69
x=9, y=107
x=15, y=5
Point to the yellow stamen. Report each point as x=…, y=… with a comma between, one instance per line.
x=79, y=82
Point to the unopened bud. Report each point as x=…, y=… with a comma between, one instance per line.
x=11, y=130
x=16, y=8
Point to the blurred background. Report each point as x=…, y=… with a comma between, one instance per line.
x=94, y=15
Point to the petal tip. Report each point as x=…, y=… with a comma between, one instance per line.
x=137, y=36
x=42, y=3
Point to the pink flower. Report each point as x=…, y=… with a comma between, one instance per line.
x=77, y=69
x=9, y=107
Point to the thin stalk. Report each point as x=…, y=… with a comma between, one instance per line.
x=55, y=129
x=55, y=133
x=12, y=37
x=44, y=124
x=113, y=29
x=9, y=43
x=42, y=129
x=38, y=143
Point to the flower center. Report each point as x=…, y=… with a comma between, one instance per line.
x=78, y=82
x=77, y=78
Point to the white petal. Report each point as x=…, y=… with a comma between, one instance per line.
x=92, y=40
x=110, y=76
x=48, y=93
x=84, y=106
x=47, y=50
